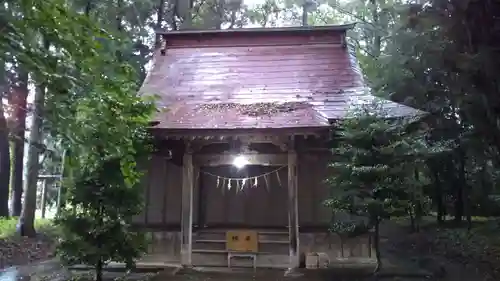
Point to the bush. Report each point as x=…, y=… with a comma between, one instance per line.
x=8, y=227
x=488, y=206
x=349, y=229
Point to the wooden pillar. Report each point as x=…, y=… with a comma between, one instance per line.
x=187, y=210
x=202, y=202
x=293, y=221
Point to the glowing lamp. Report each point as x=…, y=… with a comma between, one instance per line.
x=240, y=161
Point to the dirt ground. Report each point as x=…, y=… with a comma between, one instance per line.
x=20, y=251
x=278, y=275
x=419, y=250
x=410, y=252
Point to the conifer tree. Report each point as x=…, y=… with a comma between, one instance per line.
x=374, y=164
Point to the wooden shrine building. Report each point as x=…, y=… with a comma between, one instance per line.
x=242, y=137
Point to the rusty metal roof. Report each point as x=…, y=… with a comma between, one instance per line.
x=282, y=79
x=258, y=115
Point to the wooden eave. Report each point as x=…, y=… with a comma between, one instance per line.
x=225, y=134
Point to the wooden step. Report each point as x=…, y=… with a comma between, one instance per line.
x=201, y=245
x=276, y=248
x=221, y=235
x=209, y=241
x=224, y=241
x=264, y=231
x=202, y=251
x=205, y=251
x=219, y=258
x=274, y=238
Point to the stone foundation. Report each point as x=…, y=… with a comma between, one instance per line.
x=334, y=247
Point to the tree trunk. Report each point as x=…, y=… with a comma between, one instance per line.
x=98, y=270
x=4, y=164
x=377, y=38
x=219, y=13
x=119, y=7
x=4, y=150
x=19, y=101
x=418, y=216
x=342, y=242
x=459, y=191
x=376, y=242
x=305, y=10
x=119, y=12
x=411, y=214
x=187, y=15
x=159, y=22
x=462, y=179
x=233, y=20
x=88, y=7
x=417, y=202
x=459, y=204
x=66, y=180
x=26, y=225
x=441, y=210
x=437, y=199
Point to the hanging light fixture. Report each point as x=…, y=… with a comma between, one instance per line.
x=240, y=161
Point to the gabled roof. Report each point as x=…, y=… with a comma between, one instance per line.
x=257, y=78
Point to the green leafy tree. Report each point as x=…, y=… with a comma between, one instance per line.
x=104, y=193
x=88, y=101
x=433, y=62
x=374, y=170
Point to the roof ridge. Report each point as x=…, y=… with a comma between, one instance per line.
x=342, y=27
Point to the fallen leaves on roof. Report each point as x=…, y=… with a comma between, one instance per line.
x=256, y=109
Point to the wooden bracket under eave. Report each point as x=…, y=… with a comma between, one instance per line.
x=343, y=40
x=188, y=146
x=163, y=47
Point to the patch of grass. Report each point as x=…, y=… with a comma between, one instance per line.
x=8, y=227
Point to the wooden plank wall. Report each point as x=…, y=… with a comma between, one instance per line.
x=255, y=206
x=162, y=192
x=259, y=206
x=313, y=171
